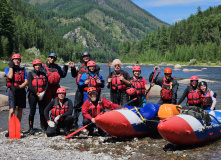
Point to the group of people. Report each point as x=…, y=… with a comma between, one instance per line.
x=56, y=110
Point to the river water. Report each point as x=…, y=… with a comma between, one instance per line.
x=211, y=73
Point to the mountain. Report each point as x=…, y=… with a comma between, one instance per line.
x=97, y=24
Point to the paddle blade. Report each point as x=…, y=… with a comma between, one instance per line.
x=68, y=136
x=109, y=64
x=14, y=128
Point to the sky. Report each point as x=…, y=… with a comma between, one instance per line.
x=171, y=11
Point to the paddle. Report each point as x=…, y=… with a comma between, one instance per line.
x=68, y=136
x=14, y=128
x=152, y=82
x=111, y=82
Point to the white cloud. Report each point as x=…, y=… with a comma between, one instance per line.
x=177, y=20
x=159, y=3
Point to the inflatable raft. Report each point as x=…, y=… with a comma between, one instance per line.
x=129, y=123
x=186, y=130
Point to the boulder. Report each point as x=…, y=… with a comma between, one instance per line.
x=129, y=67
x=2, y=74
x=177, y=66
x=3, y=100
x=191, y=70
x=155, y=91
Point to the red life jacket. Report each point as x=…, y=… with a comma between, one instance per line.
x=96, y=110
x=116, y=83
x=166, y=91
x=80, y=73
x=18, y=78
x=58, y=110
x=53, y=75
x=194, y=97
x=92, y=82
x=139, y=85
x=206, y=100
x=38, y=82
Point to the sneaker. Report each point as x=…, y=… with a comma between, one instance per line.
x=7, y=134
x=31, y=132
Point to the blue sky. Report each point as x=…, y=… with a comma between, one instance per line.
x=171, y=11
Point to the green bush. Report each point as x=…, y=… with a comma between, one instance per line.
x=192, y=62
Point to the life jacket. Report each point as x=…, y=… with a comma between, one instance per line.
x=92, y=82
x=53, y=75
x=139, y=85
x=38, y=82
x=166, y=91
x=206, y=100
x=18, y=78
x=80, y=73
x=58, y=110
x=194, y=97
x=96, y=110
x=116, y=83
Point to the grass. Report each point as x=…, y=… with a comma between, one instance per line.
x=3, y=66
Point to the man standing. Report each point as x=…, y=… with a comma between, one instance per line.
x=16, y=82
x=77, y=73
x=119, y=80
x=169, y=86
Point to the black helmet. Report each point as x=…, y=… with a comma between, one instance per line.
x=203, y=83
x=86, y=53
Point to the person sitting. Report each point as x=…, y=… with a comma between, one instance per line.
x=169, y=86
x=192, y=93
x=91, y=79
x=208, y=97
x=93, y=107
x=139, y=87
x=61, y=114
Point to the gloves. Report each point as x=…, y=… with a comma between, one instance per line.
x=51, y=124
x=14, y=89
x=57, y=118
x=11, y=64
x=41, y=95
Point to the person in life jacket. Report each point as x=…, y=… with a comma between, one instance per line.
x=192, y=93
x=118, y=80
x=91, y=79
x=79, y=95
x=169, y=86
x=61, y=110
x=208, y=97
x=139, y=85
x=37, y=85
x=94, y=106
x=16, y=82
x=53, y=73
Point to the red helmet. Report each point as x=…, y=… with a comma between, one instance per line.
x=91, y=89
x=194, y=78
x=136, y=68
x=16, y=56
x=168, y=70
x=36, y=61
x=61, y=90
x=131, y=91
x=91, y=64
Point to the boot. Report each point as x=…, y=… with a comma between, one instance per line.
x=67, y=131
x=31, y=131
x=7, y=134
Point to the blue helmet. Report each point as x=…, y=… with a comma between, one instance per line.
x=52, y=55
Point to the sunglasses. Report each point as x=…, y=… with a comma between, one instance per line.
x=194, y=81
x=117, y=65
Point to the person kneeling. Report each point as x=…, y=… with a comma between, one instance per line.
x=92, y=107
x=61, y=114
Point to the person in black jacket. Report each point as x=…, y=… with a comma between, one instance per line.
x=37, y=85
x=169, y=86
x=61, y=114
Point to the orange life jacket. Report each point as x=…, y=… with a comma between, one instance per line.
x=194, y=97
x=18, y=78
x=38, y=82
x=206, y=100
x=166, y=91
x=116, y=83
x=80, y=73
x=53, y=75
x=96, y=110
x=139, y=85
x=58, y=110
x=92, y=82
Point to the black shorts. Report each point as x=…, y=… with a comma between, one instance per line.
x=19, y=99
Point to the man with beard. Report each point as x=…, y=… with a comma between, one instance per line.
x=93, y=107
x=118, y=81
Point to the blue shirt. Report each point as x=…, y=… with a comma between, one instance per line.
x=84, y=78
x=7, y=70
